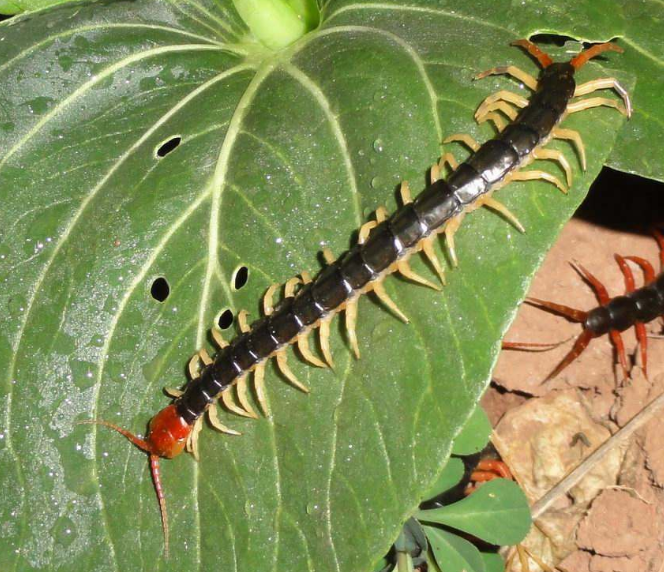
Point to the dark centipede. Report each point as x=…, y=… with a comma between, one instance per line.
x=635, y=308
x=384, y=247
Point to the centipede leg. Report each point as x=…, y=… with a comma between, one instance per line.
x=630, y=286
x=427, y=248
x=305, y=350
x=218, y=339
x=351, y=319
x=282, y=364
x=536, y=174
x=324, y=337
x=213, y=418
x=226, y=397
x=557, y=156
x=404, y=193
x=605, y=83
x=365, y=229
x=464, y=138
x=502, y=95
x=513, y=71
x=600, y=289
x=242, y=321
x=406, y=271
x=502, y=106
x=495, y=118
x=450, y=160
x=450, y=230
x=580, y=344
x=268, y=299
x=646, y=267
x=617, y=340
x=500, y=208
x=575, y=138
x=259, y=386
x=596, y=102
x=659, y=237
x=243, y=398
x=572, y=314
x=192, y=440
x=380, y=291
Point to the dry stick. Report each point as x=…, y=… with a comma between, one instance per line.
x=542, y=505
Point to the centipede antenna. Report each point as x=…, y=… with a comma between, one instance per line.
x=533, y=346
x=156, y=479
x=580, y=60
x=542, y=57
x=140, y=443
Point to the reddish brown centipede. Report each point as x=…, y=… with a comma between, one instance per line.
x=613, y=315
x=384, y=247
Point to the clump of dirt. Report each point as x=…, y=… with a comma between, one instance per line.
x=612, y=521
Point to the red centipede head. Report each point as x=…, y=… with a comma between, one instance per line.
x=167, y=437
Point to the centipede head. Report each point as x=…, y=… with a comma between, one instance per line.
x=577, y=61
x=167, y=436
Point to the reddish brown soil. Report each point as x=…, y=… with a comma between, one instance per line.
x=613, y=521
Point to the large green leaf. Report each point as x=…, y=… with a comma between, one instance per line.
x=280, y=154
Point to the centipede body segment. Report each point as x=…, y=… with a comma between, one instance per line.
x=385, y=246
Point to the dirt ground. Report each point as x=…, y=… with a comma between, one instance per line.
x=612, y=520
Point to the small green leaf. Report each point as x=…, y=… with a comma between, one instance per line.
x=493, y=562
x=497, y=513
x=475, y=434
x=450, y=477
x=453, y=553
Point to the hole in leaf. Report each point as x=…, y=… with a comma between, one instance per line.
x=169, y=145
x=240, y=277
x=160, y=289
x=225, y=320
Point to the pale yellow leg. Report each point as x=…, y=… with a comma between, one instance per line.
x=213, y=417
x=502, y=95
x=501, y=106
x=450, y=160
x=554, y=155
x=306, y=277
x=328, y=256
x=194, y=366
x=228, y=401
x=606, y=83
x=303, y=346
x=218, y=338
x=450, y=229
x=499, y=207
x=404, y=191
x=192, y=440
x=243, y=397
x=495, y=118
x=427, y=248
x=380, y=291
x=259, y=385
x=351, y=319
x=434, y=173
x=532, y=175
x=242, y=321
x=575, y=138
x=514, y=71
x=291, y=284
x=365, y=229
x=205, y=357
x=268, y=299
x=406, y=271
x=172, y=392
x=324, y=337
x=282, y=363
x=464, y=138
x=596, y=102
x=381, y=214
